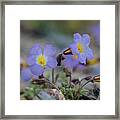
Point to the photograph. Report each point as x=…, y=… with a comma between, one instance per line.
x=59, y=59
x=58, y=55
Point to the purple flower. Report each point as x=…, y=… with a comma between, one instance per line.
x=41, y=59
x=72, y=61
x=80, y=47
x=26, y=74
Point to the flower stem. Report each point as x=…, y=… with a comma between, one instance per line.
x=51, y=84
x=45, y=80
x=70, y=79
x=53, y=76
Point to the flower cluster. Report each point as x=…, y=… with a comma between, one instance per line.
x=40, y=59
x=80, y=51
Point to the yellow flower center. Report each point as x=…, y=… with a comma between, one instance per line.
x=41, y=60
x=80, y=47
x=75, y=57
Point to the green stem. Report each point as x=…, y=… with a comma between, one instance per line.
x=70, y=79
x=51, y=84
x=45, y=80
x=53, y=76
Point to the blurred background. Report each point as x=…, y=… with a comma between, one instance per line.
x=60, y=34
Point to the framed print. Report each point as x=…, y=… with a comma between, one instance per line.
x=60, y=60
